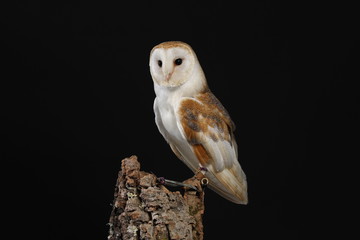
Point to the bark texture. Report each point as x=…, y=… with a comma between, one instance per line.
x=145, y=209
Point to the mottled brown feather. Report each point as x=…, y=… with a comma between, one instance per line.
x=172, y=44
x=201, y=154
x=200, y=113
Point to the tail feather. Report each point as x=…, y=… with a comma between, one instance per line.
x=230, y=183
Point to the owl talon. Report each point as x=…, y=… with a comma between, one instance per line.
x=172, y=183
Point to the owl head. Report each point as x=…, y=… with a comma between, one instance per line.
x=172, y=64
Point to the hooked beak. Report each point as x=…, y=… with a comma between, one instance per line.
x=168, y=76
x=168, y=73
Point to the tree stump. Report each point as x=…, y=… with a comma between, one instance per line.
x=145, y=209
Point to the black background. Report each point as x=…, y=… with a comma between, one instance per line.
x=77, y=95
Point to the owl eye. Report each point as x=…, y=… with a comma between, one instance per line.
x=178, y=61
x=160, y=63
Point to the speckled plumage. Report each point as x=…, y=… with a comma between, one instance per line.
x=197, y=127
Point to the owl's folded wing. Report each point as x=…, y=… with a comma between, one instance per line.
x=208, y=130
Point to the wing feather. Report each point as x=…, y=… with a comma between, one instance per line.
x=208, y=129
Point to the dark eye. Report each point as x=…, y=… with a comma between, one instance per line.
x=178, y=61
x=159, y=63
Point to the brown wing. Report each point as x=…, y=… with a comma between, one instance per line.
x=205, y=122
x=208, y=129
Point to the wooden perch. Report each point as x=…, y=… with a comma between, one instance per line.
x=145, y=209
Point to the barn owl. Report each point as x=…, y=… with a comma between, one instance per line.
x=193, y=121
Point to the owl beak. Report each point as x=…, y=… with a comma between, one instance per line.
x=167, y=73
x=168, y=76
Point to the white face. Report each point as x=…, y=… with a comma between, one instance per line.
x=171, y=67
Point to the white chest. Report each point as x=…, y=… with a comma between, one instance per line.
x=167, y=112
x=168, y=101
